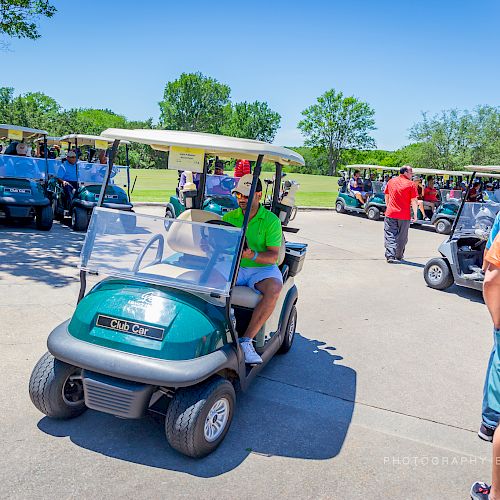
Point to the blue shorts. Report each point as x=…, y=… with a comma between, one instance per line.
x=249, y=276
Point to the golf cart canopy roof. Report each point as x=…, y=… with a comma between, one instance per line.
x=484, y=169
x=436, y=171
x=217, y=145
x=27, y=133
x=51, y=141
x=86, y=140
x=371, y=167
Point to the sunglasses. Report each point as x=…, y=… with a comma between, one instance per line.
x=239, y=196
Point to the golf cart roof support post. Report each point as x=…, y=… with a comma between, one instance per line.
x=202, y=183
x=46, y=156
x=107, y=176
x=460, y=209
x=76, y=149
x=128, y=171
x=277, y=184
x=246, y=219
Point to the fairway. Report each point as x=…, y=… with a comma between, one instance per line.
x=159, y=185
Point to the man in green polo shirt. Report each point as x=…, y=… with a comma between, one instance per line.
x=258, y=269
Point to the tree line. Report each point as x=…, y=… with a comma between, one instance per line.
x=336, y=128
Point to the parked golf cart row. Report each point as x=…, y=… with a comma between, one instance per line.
x=160, y=328
x=439, y=215
x=37, y=188
x=462, y=253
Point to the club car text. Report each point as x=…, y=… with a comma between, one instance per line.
x=131, y=327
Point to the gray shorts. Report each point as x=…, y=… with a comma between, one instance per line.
x=249, y=276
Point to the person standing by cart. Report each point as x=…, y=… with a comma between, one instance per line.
x=491, y=292
x=400, y=198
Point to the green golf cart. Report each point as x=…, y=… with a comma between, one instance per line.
x=374, y=207
x=86, y=179
x=217, y=198
x=159, y=330
x=23, y=179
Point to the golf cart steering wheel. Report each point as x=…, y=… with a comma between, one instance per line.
x=218, y=245
x=149, y=244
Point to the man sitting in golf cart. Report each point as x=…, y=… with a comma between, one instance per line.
x=258, y=269
x=66, y=179
x=356, y=188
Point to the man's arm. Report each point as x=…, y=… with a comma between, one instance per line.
x=414, y=207
x=491, y=293
x=386, y=199
x=270, y=256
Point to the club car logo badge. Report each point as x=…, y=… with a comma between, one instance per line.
x=18, y=190
x=132, y=327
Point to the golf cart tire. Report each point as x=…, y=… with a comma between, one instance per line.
x=169, y=214
x=373, y=213
x=44, y=218
x=80, y=219
x=47, y=388
x=444, y=278
x=443, y=226
x=187, y=412
x=340, y=208
x=291, y=325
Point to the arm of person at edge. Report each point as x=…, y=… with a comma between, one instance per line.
x=270, y=256
x=491, y=285
x=414, y=208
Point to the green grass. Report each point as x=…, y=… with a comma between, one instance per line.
x=159, y=185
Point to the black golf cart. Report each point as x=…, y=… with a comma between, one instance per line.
x=23, y=179
x=160, y=330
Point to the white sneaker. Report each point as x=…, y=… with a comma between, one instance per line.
x=251, y=357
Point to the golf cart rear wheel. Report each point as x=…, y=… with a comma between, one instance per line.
x=437, y=274
x=199, y=417
x=443, y=226
x=339, y=207
x=56, y=388
x=79, y=219
x=290, y=332
x=373, y=213
x=44, y=218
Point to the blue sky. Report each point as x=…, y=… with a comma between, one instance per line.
x=401, y=57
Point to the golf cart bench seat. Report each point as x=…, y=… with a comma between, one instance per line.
x=244, y=296
x=196, y=215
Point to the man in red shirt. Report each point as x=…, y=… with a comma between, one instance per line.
x=400, y=195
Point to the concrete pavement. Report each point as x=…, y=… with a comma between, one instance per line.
x=378, y=398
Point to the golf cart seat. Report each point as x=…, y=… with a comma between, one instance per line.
x=196, y=215
x=244, y=296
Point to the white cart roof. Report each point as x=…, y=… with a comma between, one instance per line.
x=218, y=145
x=486, y=169
x=28, y=133
x=51, y=141
x=86, y=140
x=371, y=167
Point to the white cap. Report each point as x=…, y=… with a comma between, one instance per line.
x=244, y=185
x=22, y=148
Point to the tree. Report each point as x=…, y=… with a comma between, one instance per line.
x=252, y=120
x=18, y=17
x=194, y=102
x=337, y=123
x=34, y=110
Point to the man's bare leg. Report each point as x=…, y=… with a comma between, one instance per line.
x=270, y=289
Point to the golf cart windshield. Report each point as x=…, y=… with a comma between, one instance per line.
x=22, y=167
x=192, y=256
x=377, y=187
x=94, y=173
x=477, y=219
x=451, y=195
x=220, y=185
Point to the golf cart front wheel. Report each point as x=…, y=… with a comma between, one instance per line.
x=169, y=214
x=443, y=226
x=340, y=208
x=56, y=388
x=289, y=332
x=373, y=213
x=199, y=417
x=79, y=219
x=437, y=274
x=44, y=218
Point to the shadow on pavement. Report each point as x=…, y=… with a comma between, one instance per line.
x=40, y=256
x=289, y=411
x=466, y=293
x=405, y=262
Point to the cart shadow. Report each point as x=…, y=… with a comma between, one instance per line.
x=40, y=256
x=300, y=407
x=466, y=293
